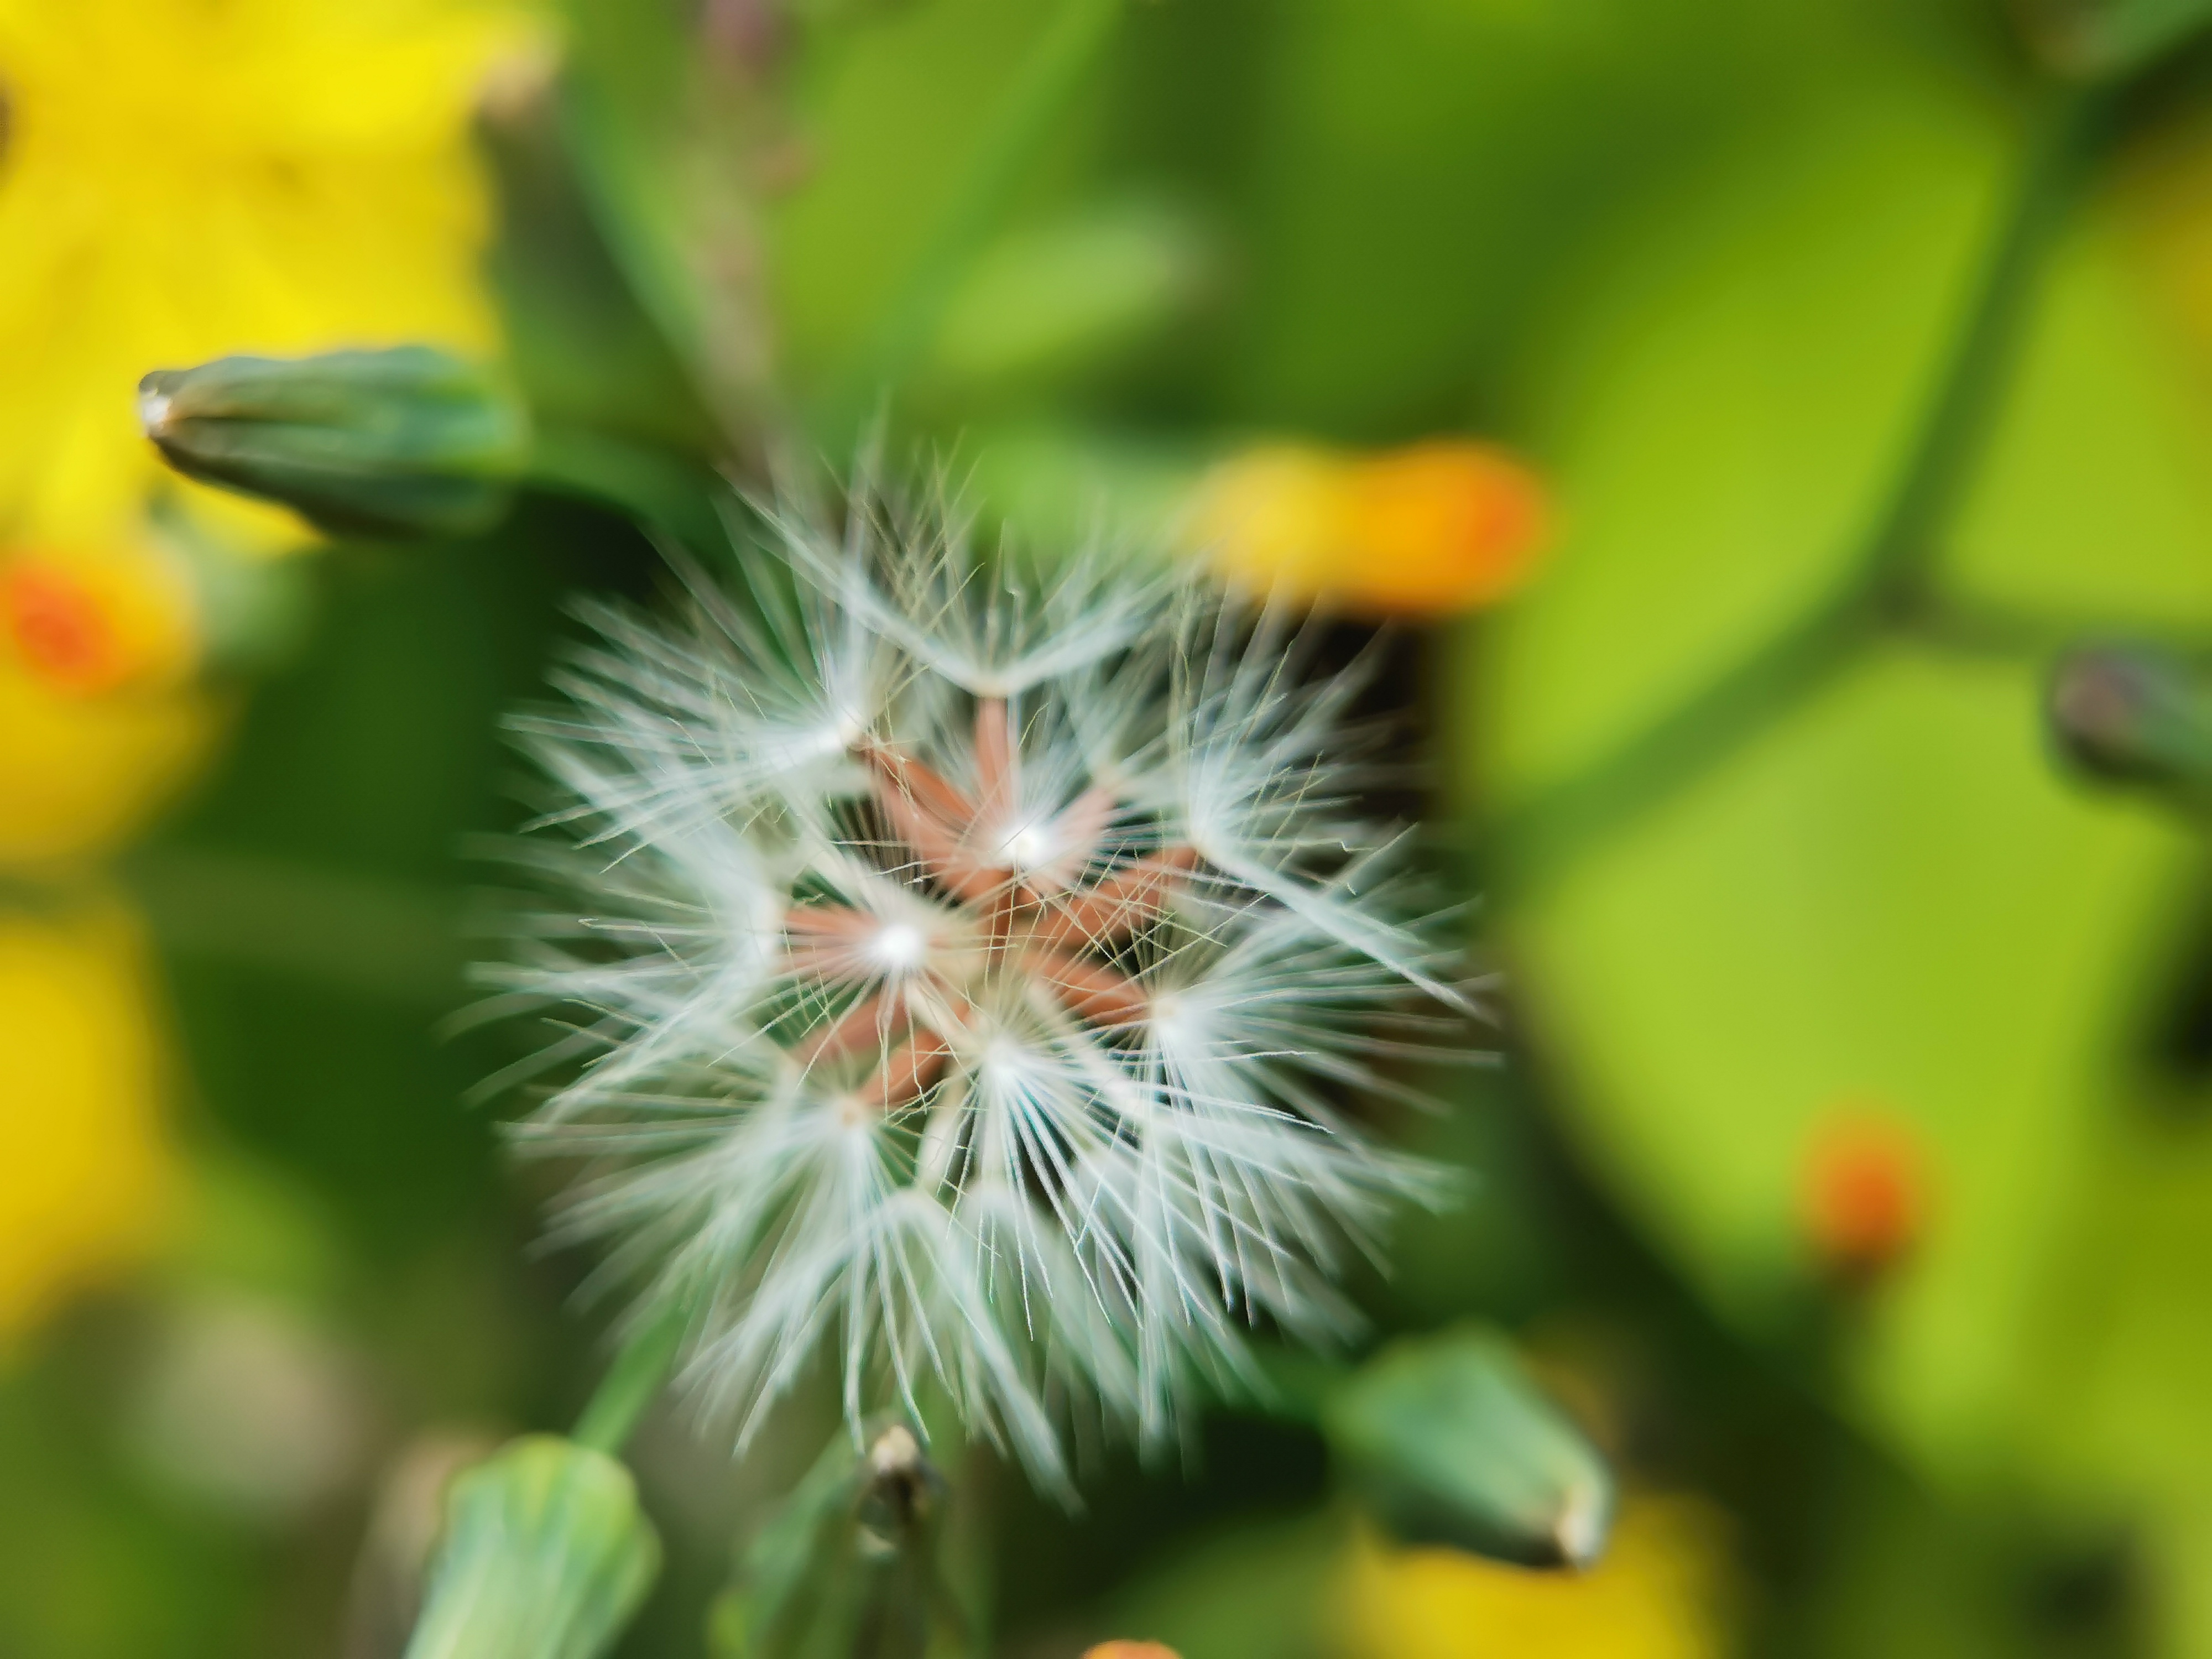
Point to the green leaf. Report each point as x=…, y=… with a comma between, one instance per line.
x=625, y=96
x=1891, y=902
x=928, y=127
x=1060, y=294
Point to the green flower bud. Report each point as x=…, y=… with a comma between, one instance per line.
x=2105, y=39
x=545, y=1555
x=1447, y=1441
x=850, y=1565
x=2134, y=713
x=406, y=443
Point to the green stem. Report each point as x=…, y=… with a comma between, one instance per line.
x=362, y=935
x=1997, y=631
x=1015, y=130
x=631, y=1385
x=659, y=489
x=1956, y=428
x=1883, y=585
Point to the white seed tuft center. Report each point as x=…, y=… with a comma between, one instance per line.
x=1028, y=846
x=899, y=946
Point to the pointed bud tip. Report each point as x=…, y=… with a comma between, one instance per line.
x=895, y=1453
x=153, y=409
x=1585, y=1526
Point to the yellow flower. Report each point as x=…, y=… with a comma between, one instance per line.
x=85, y=1172
x=184, y=179
x=103, y=619
x=181, y=180
x=1424, y=530
x=79, y=769
x=1659, y=1593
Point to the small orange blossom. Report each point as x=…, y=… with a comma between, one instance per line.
x=1435, y=527
x=1865, y=1193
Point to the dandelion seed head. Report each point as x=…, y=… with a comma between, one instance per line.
x=962, y=971
x=899, y=947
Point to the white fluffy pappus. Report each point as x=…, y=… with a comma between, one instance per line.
x=960, y=966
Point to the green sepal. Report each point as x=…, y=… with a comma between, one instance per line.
x=545, y=1555
x=1446, y=1440
x=412, y=441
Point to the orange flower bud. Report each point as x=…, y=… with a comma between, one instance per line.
x=1865, y=1194
x=1130, y=1650
x=86, y=625
x=1435, y=527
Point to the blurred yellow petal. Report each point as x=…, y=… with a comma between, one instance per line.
x=97, y=620
x=85, y=1170
x=240, y=524
x=1427, y=530
x=79, y=771
x=1659, y=1593
x=1272, y=517
x=182, y=180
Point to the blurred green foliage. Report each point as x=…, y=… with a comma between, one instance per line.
x=1702, y=260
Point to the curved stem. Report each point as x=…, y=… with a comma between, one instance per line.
x=1973, y=626
x=658, y=490
x=1883, y=585
x=641, y=1369
x=1955, y=429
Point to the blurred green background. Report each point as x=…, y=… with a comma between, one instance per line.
x=1852, y=949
